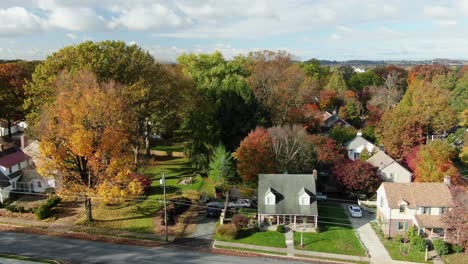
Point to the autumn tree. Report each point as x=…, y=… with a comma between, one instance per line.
x=328, y=151
x=84, y=139
x=389, y=93
x=279, y=84
x=426, y=72
x=292, y=149
x=357, y=176
x=128, y=65
x=12, y=79
x=457, y=218
x=336, y=83
x=255, y=156
x=308, y=115
x=459, y=95
x=342, y=134
x=434, y=162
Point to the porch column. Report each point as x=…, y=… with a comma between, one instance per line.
x=316, y=221
x=445, y=234
x=277, y=219
x=284, y=219
x=259, y=220
x=432, y=231
x=294, y=222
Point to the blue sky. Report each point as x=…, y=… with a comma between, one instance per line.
x=333, y=29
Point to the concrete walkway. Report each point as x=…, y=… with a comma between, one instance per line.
x=290, y=242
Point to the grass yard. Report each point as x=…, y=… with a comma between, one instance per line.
x=395, y=248
x=336, y=234
x=138, y=216
x=176, y=147
x=456, y=258
x=262, y=238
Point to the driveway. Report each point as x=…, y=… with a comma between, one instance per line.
x=377, y=252
x=81, y=251
x=202, y=237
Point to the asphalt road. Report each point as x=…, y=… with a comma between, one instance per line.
x=81, y=251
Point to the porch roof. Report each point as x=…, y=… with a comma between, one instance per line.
x=429, y=221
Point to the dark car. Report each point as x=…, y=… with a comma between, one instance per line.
x=214, y=209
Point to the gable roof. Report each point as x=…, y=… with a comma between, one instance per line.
x=381, y=160
x=416, y=194
x=287, y=189
x=357, y=142
x=12, y=156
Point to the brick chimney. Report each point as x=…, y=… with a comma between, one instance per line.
x=447, y=180
x=24, y=141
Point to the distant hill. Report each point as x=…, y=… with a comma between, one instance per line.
x=373, y=63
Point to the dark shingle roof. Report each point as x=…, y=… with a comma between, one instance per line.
x=12, y=156
x=288, y=188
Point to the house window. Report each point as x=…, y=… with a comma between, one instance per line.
x=426, y=210
x=19, y=166
x=401, y=226
x=305, y=200
x=270, y=200
x=10, y=170
x=443, y=210
x=402, y=208
x=39, y=184
x=381, y=201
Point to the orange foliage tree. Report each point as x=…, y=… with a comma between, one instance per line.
x=84, y=140
x=255, y=155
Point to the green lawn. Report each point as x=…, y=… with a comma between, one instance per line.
x=138, y=216
x=395, y=249
x=177, y=147
x=337, y=237
x=456, y=258
x=262, y=238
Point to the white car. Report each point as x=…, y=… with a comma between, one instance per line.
x=241, y=203
x=355, y=211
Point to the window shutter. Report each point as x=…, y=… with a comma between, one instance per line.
x=406, y=225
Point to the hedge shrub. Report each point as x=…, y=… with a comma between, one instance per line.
x=280, y=228
x=240, y=221
x=227, y=231
x=45, y=210
x=418, y=243
x=441, y=247
x=457, y=248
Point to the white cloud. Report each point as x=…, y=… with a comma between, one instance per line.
x=154, y=16
x=439, y=12
x=18, y=21
x=76, y=19
x=71, y=36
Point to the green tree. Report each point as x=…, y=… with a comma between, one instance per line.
x=336, y=83
x=361, y=80
x=313, y=69
x=459, y=95
x=342, y=134
x=222, y=167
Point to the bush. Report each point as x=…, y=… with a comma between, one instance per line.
x=441, y=247
x=398, y=238
x=53, y=201
x=240, y=221
x=43, y=212
x=11, y=208
x=144, y=180
x=457, y=248
x=418, y=243
x=227, y=231
x=280, y=228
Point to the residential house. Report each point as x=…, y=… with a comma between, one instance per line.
x=35, y=181
x=12, y=161
x=16, y=126
x=418, y=204
x=356, y=145
x=330, y=120
x=287, y=199
x=389, y=169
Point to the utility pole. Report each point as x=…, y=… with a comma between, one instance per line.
x=163, y=182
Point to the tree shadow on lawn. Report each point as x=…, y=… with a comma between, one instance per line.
x=244, y=233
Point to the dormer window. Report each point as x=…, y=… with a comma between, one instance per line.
x=270, y=197
x=304, y=197
x=402, y=204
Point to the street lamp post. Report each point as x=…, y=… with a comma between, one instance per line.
x=163, y=182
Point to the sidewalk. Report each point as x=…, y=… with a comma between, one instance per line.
x=290, y=242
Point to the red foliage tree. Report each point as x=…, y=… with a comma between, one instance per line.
x=308, y=115
x=328, y=99
x=411, y=158
x=255, y=155
x=426, y=72
x=357, y=176
x=144, y=180
x=328, y=151
x=456, y=219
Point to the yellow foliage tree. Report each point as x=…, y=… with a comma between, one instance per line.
x=84, y=139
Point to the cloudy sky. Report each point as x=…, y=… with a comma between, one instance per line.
x=329, y=29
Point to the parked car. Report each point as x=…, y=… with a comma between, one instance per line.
x=214, y=209
x=321, y=197
x=355, y=211
x=241, y=203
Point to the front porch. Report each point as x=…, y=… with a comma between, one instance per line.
x=301, y=223
x=430, y=226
